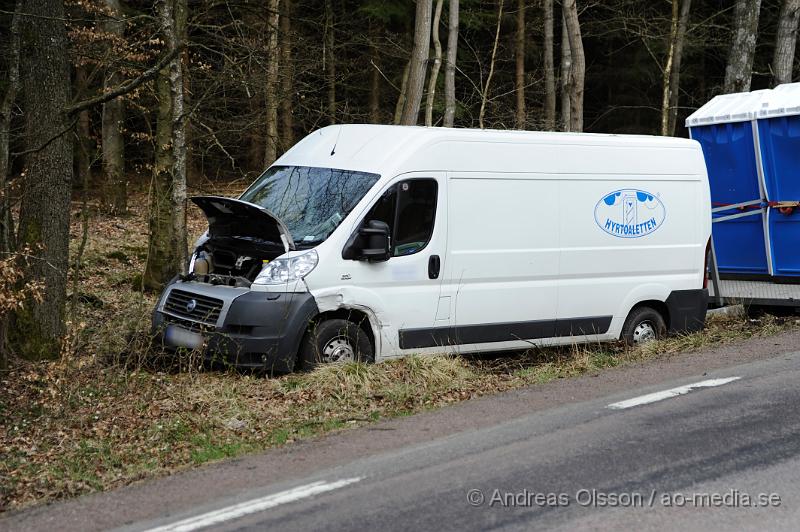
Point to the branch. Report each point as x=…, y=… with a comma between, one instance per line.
x=128, y=86
x=48, y=141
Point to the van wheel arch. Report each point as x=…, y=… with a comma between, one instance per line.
x=656, y=313
x=355, y=316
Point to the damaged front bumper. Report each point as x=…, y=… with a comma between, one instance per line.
x=234, y=326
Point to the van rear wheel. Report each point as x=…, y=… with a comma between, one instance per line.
x=334, y=341
x=644, y=324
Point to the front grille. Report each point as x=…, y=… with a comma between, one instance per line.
x=188, y=324
x=206, y=309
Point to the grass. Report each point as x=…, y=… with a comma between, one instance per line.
x=105, y=415
x=73, y=427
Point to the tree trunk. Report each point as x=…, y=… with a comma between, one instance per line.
x=271, y=85
x=330, y=61
x=401, y=99
x=374, y=74
x=437, y=63
x=785, y=41
x=113, y=145
x=577, y=67
x=739, y=70
x=485, y=96
x=675, y=70
x=666, y=75
x=549, y=69
x=84, y=155
x=44, y=212
x=519, y=78
x=566, y=75
x=167, y=253
x=179, y=138
x=6, y=107
x=450, y=65
x=287, y=79
x=84, y=147
x=160, y=264
x=419, y=58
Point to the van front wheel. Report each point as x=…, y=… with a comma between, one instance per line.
x=643, y=325
x=333, y=341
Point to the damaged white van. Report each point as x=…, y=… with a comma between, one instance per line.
x=366, y=242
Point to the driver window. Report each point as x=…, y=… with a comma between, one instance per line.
x=409, y=209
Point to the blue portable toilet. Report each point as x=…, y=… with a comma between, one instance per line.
x=726, y=128
x=779, y=148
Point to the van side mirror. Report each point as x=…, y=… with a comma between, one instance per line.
x=370, y=242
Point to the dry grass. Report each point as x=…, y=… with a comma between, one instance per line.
x=105, y=415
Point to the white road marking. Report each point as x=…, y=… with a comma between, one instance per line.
x=256, y=505
x=666, y=394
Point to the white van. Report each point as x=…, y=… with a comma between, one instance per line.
x=368, y=242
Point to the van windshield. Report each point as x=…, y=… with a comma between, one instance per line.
x=311, y=202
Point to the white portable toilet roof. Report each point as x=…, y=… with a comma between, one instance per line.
x=783, y=100
x=727, y=108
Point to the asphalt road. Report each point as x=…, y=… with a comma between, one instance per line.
x=702, y=441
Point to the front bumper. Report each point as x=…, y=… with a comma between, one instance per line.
x=257, y=330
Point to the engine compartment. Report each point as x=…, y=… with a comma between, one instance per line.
x=231, y=260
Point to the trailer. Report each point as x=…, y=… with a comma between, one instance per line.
x=751, y=144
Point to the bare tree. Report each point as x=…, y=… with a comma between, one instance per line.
x=785, y=41
x=44, y=211
x=6, y=108
x=401, y=98
x=329, y=60
x=419, y=59
x=566, y=75
x=672, y=69
x=437, y=63
x=577, y=75
x=549, y=69
x=374, y=74
x=175, y=30
x=739, y=71
x=167, y=249
x=271, y=85
x=450, y=65
x=287, y=79
x=113, y=144
x=519, y=73
x=487, y=85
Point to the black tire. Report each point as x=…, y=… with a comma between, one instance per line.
x=334, y=340
x=644, y=324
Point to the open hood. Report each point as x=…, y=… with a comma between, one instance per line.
x=232, y=217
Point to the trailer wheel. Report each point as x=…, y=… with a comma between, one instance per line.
x=334, y=341
x=644, y=324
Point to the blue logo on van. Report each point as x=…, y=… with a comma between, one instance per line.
x=629, y=213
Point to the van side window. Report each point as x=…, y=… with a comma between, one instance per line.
x=409, y=208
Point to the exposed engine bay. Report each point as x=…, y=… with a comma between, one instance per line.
x=231, y=261
x=241, y=238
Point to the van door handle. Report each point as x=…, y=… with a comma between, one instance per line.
x=434, y=265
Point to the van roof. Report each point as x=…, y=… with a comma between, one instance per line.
x=374, y=148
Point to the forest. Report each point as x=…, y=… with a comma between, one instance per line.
x=113, y=107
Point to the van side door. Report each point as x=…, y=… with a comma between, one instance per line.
x=503, y=258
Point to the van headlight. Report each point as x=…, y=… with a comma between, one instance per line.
x=288, y=269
